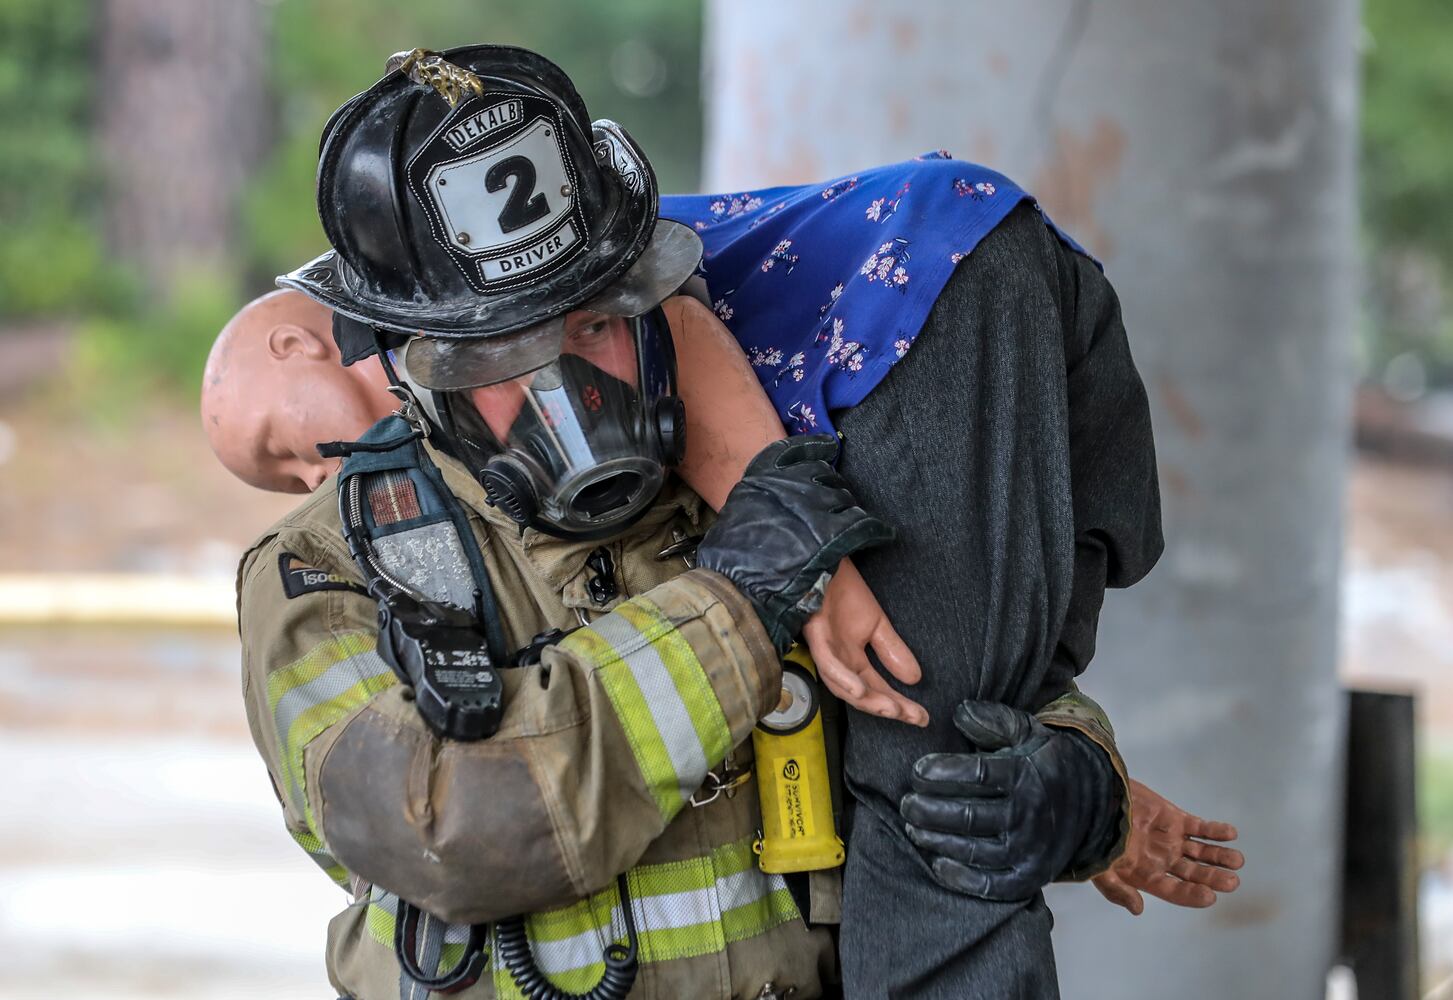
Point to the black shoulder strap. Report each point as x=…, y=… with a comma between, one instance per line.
x=393, y=445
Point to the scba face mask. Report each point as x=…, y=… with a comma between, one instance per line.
x=569, y=425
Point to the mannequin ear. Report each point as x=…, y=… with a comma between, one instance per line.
x=287, y=340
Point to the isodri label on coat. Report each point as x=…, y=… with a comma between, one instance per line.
x=300, y=578
x=794, y=799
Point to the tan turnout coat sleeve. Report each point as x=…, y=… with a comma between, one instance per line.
x=600, y=746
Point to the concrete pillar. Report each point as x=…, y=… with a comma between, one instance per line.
x=1205, y=153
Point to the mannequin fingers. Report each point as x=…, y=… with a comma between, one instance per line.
x=1209, y=829
x=908, y=709
x=1217, y=879
x=1114, y=889
x=840, y=680
x=1173, y=890
x=854, y=691
x=860, y=698
x=880, y=705
x=1211, y=854
x=894, y=653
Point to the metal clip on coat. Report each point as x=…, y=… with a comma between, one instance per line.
x=798, y=834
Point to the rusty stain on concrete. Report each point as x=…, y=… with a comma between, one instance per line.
x=1181, y=412
x=899, y=113
x=998, y=63
x=1174, y=481
x=1246, y=909
x=982, y=147
x=1078, y=168
x=905, y=36
x=797, y=162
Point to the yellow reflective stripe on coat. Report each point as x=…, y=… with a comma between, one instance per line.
x=309, y=842
x=672, y=718
x=683, y=909
x=315, y=691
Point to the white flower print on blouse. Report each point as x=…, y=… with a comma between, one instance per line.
x=765, y=357
x=883, y=209
x=729, y=207
x=845, y=355
x=796, y=367
x=803, y=419
x=977, y=191
x=781, y=252
x=832, y=297
x=889, y=264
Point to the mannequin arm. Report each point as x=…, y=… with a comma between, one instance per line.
x=729, y=420
x=1168, y=856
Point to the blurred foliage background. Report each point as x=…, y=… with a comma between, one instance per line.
x=1407, y=193
x=637, y=61
x=634, y=60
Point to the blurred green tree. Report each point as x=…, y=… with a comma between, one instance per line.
x=52, y=257
x=1407, y=189
x=636, y=61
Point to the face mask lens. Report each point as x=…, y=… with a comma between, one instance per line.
x=579, y=426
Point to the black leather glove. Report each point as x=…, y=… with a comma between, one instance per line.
x=783, y=530
x=1006, y=821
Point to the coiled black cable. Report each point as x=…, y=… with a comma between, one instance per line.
x=512, y=948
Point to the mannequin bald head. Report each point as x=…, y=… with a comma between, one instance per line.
x=274, y=386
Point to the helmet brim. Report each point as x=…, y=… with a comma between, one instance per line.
x=634, y=261
x=669, y=259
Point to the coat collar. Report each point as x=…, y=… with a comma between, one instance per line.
x=558, y=561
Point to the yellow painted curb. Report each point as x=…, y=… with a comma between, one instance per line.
x=116, y=599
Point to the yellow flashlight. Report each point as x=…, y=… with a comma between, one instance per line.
x=793, y=785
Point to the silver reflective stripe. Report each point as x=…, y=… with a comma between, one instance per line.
x=669, y=911
x=747, y=887
x=325, y=687
x=672, y=717
x=389, y=903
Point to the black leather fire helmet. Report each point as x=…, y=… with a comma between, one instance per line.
x=468, y=194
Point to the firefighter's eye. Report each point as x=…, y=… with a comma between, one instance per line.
x=592, y=331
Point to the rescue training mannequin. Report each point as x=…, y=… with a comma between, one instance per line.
x=729, y=417
x=441, y=282
x=281, y=346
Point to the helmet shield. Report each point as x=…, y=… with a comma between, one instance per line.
x=573, y=445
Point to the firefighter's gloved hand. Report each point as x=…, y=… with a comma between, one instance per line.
x=783, y=530
x=1004, y=822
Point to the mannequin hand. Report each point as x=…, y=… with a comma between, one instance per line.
x=1167, y=856
x=784, y=528
x=839, y=635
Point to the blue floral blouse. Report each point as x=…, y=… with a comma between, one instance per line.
x=827, y=285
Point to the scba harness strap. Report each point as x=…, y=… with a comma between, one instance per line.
x=439, y=630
